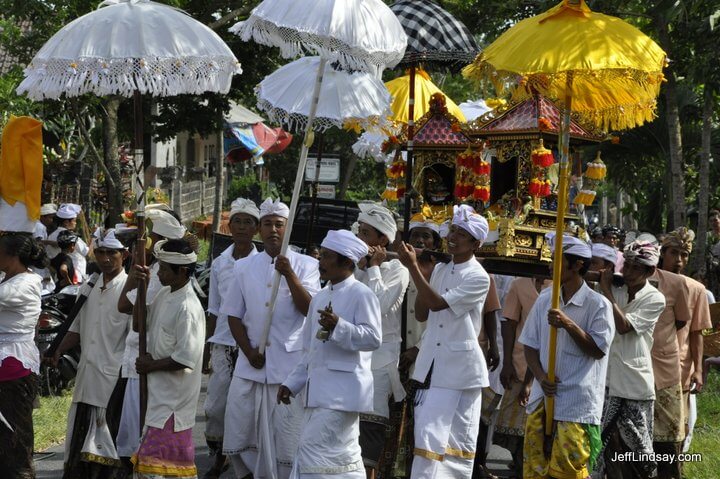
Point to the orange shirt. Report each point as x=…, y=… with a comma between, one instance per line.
x=699, y=320
x=492, y=303
x=666, y=350
x=518, y=303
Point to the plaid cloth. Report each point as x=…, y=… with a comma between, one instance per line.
x=434, y=35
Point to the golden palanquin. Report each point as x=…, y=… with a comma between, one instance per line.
x=506, y=138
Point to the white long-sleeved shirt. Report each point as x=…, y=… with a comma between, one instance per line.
x=336, y=373
x=388, y=282
x=221, y=282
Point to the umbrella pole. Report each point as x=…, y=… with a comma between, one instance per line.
x=409, y=163
x=558, y=257
x=316, y=180
x=139, y=308
x=299, y=177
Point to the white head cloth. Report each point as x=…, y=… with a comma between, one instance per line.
x=108, y=240
x=274, y=208
x=425, y=224
x=642, y=252
x=48, y=209
x=171, y=257
x=242, y=205
x=647, y=238
x=603, y=251
x=165, y=224
x=158, y=206
x=379, y=218
x=466, y=218
x=68, y=211
x=345, y=243
x=571, y=245
x=444, y=229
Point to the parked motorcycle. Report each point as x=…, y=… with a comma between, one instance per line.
x=57, y=314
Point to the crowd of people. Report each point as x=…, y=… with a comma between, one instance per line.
x=306, y=377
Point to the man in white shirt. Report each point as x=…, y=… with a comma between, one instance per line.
x=628, y=411
x=100, y=329
x=260, y=436
x=388, y=280
x=47, y=217
x=163, y=225
x=244, y=220
x=67, y=216
x=173, y=364
x=585, y=330
x=334, y=374
x=450, y=361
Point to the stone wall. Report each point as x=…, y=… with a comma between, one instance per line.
x=197, y=198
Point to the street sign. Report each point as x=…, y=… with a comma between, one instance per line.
x=329, y=170
x=326, y=191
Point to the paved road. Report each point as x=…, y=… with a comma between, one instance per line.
x=49, y=464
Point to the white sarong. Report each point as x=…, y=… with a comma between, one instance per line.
x=221, y=361
x=446, y=430
x=128, y=437
x=329, y=446
x=98, y=445
x=244, y=432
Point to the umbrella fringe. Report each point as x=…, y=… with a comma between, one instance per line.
x=154, y=76
x=294, y=43
x=601, y=113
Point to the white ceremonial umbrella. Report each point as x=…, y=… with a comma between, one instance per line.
x=369, y=145
x=131, y=48
x=355, y=97
x=354, y=34
x=357, y=34
x=338, y=98
x=474, y=109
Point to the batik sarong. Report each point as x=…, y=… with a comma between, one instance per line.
x=165, y=453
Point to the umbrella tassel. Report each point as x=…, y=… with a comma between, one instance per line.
x=309, y=136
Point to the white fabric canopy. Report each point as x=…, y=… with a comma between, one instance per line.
x=356, y=97
x=240, y=114
x=474, y=109
x=131, y=45
x=359, y=34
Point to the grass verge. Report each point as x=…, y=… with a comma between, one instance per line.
x=50, y=420
x=706, y=436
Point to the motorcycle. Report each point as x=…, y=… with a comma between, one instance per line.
x=54, y=313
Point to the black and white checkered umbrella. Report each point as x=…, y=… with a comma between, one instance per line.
x=435, y=37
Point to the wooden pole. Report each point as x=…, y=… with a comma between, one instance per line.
x=409, y=163
x=299, y=180
x=563, y=174
x=316, y=180
x=139, y=308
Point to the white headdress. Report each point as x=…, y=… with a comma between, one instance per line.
x=379, y=218
x=603, y=251
x=344, y=243
x=165, y=224
x=274, y=208
x=466, y=218
x=242, y=205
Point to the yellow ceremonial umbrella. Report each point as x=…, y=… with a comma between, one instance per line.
x=399, y=89
x=599, y=67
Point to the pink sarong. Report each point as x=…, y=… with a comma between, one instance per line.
x=166, y=453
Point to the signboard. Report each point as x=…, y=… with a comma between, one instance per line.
x=329, y=170
x=326, y=191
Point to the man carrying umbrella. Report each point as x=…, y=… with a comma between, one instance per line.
x=585, y=332
x=173, y=364
x=450, y=362
x=388, y=280
x=259, y=434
